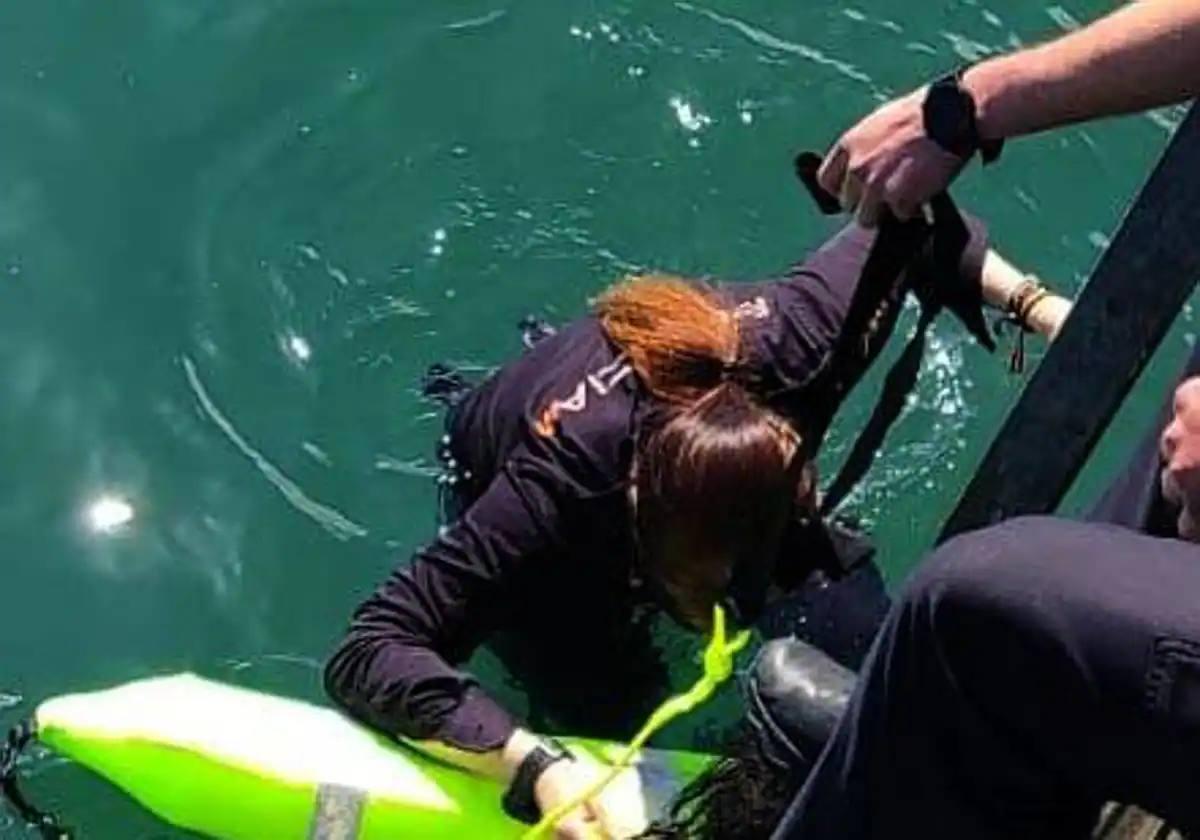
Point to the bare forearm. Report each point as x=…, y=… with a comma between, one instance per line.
x=1144, y=55
x=1001, y=281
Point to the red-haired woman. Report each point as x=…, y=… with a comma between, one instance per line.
x=656, y=453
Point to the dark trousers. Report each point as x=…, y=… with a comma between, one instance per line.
x=1029, y=673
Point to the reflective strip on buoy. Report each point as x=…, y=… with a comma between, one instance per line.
x=338, y=813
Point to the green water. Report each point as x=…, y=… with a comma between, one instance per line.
x=233, y=234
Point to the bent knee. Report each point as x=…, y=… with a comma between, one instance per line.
x=1001, y=575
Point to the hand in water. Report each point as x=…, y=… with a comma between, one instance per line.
x=1180, y=447
x=618, y=811
x=888, y=160
x=603, y=802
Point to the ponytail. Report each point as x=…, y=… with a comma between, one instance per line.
x=680, y=337
x=717, y=473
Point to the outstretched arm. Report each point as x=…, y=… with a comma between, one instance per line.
x=396, y=669
x=1143, y=55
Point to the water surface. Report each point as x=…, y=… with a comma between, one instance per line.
x=233, y=235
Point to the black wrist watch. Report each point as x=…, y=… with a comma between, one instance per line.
x=519, y=801
x=949, y=116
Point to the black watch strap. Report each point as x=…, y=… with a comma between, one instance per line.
x=949, y=113
x=519, y=801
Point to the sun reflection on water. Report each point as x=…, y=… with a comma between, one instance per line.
x=108, y=514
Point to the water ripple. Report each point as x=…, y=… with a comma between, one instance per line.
x=317, y=453
x=476, y=22
x=966, y=48
x=766, y=39
x=10, y=701
x=1168, y=119
x=331, y=520
x=307, y=662
x=294, y=659
x=859, y=16
x=1063, y=19
x=413, y=467
x=389, y=306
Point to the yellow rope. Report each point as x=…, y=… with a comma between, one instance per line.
x=718, y=666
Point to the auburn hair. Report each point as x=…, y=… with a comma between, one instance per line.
x=715, y=486
x=680, y=336
x=717, y=473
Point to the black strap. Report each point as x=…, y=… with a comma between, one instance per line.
x=46, y=824
x=900, y=245
x=898, y=384
x=894, y=249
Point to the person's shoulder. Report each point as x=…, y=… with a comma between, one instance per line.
x=589, y=434
x=584, y=422
x=752, y=301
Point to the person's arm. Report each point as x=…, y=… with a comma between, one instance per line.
x=1043, y=312
x=1143, y=55
x=395, y=668
x=814, y=299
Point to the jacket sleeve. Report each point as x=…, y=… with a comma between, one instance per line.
x=799, y=318
x=830, y=275
x=396, y=667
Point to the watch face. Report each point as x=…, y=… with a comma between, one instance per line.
x=947, y=116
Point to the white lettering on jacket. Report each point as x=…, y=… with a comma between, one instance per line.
x=599, y=382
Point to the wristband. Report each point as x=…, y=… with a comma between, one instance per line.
x=950, y=119
x=520, y=801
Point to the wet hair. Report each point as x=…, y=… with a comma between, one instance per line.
x=680, y=336
x=716, y=473
x=742, y=796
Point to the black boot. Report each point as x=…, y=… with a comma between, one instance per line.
x=795, y=697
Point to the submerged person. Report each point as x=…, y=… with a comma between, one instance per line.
x=655, y=454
